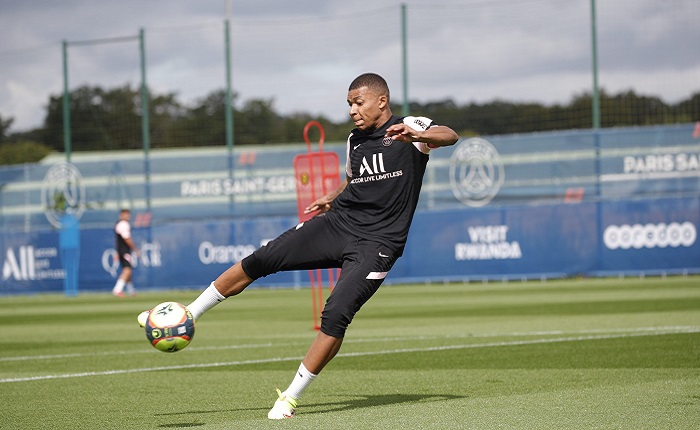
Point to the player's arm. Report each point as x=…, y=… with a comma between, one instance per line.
x=129, y=241
x=436, y=135
x=324, y=203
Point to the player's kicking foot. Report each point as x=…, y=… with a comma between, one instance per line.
x=284, y=407
x=143, y=316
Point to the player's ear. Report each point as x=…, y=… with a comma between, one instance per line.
x=383, y=101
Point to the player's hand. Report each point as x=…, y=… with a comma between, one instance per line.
x=321, y=205
x=403, y=133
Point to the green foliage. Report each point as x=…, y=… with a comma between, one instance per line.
x=100, y=119
x=111, y=119
x=502, y=117
x=22, y=152
x=5, y=124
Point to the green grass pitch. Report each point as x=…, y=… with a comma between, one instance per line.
x=570, y=354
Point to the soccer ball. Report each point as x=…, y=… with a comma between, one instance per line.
x=169, y=327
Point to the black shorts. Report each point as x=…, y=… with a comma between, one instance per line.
x=319, y=244
x=125, y=260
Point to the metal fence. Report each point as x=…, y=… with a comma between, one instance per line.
x=323, y=53
x=253, y=182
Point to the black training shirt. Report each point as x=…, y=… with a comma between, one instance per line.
x=385, y=178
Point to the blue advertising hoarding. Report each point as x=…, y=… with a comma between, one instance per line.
x=507, y=243
x=541, y=205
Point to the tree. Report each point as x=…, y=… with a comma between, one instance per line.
x=5, y=125
x=258, y=123
x=22, y=152
x=204, y=124
x=167, y=115
x=688, y=110
x=99, y=119
x=111, y=119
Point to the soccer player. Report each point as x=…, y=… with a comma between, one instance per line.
x=361, y=227
x=124, y=245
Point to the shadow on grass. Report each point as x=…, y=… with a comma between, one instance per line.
x=347, y=404
x=181, y=425
x=368, y=401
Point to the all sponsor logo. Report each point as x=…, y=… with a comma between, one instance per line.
x=27, y=263
x=376, y=167
x=373, y=170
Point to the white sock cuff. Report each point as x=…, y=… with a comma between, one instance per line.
x=216, y=292
x=119, y=286
x=207, y=300
x=301, y=381
x=304, y=371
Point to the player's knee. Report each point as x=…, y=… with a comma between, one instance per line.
x=335, y=322
x=333, y=328
x=252, y=267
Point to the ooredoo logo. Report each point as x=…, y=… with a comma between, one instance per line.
x=640, y=236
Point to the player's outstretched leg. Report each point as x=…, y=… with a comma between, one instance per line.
x=233, y=281
x=206, y=300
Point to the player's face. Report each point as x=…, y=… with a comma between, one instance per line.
x=366, y=108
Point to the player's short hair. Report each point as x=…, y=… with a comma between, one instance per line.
x=372, y=81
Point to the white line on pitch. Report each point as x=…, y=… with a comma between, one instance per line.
x=354, y=354
x=140, y=351
x=682, y=329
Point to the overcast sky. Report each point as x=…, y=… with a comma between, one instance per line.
x=303, y=54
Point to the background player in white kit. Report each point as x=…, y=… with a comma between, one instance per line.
x=124, y=244
x=361, y=227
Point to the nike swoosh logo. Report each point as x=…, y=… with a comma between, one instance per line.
x=356, y=146
x=382, y=255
